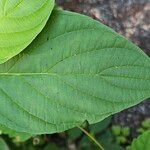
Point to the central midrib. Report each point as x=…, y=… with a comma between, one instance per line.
x=26, y=74
x=59, y=74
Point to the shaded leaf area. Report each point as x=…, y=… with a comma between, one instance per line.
x=12, y=133
x=3, y=145
x=142, y=142
x=102, y=133
x=96, y=74
x=20, y=22
x=71, y=139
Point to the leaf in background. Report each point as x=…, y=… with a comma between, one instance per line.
x=20, y=22
x=101, y=126
x=51, y=146
x=106, y=139
x=142, y=142
x=77, y=69
x=74, y=133
x=12, y=133
x=3, y=145
x=86, y=144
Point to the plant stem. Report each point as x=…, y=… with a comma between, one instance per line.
x=91, y=137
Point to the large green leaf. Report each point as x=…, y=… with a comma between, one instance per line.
x=77, y=69
x=142, y=142
x=20, y=22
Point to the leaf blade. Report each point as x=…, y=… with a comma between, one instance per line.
x=81, y=71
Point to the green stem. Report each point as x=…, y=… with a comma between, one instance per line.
x=91, y=137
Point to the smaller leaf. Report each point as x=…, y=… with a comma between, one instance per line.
x=125, y=131
x=85, y=144
x=20, y=22
x=116, y=130
x=121, y=140
x=142, y=142
x=19, y=136
x=100, y=127
x=146, y=123
x=106, y=139
x=74, y=133
x=141, y=130
x=3, y=145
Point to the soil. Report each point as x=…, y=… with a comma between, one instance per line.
x=130, y=18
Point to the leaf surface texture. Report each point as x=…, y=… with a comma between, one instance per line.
x=77, y=69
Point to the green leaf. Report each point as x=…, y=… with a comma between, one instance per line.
x=3, y=145
x=86, y=144
x=125, y=131
x=146, y=123
x=106, y=139
x=12, y=133
x=20, y=22
x=52, y=146
x=77, y=69
x=101, y=126
x=116, y=130
x=142, y=142
x=74, y=133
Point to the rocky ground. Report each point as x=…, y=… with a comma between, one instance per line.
x=130, y=18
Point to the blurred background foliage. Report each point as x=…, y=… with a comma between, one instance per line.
x=110, y=136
